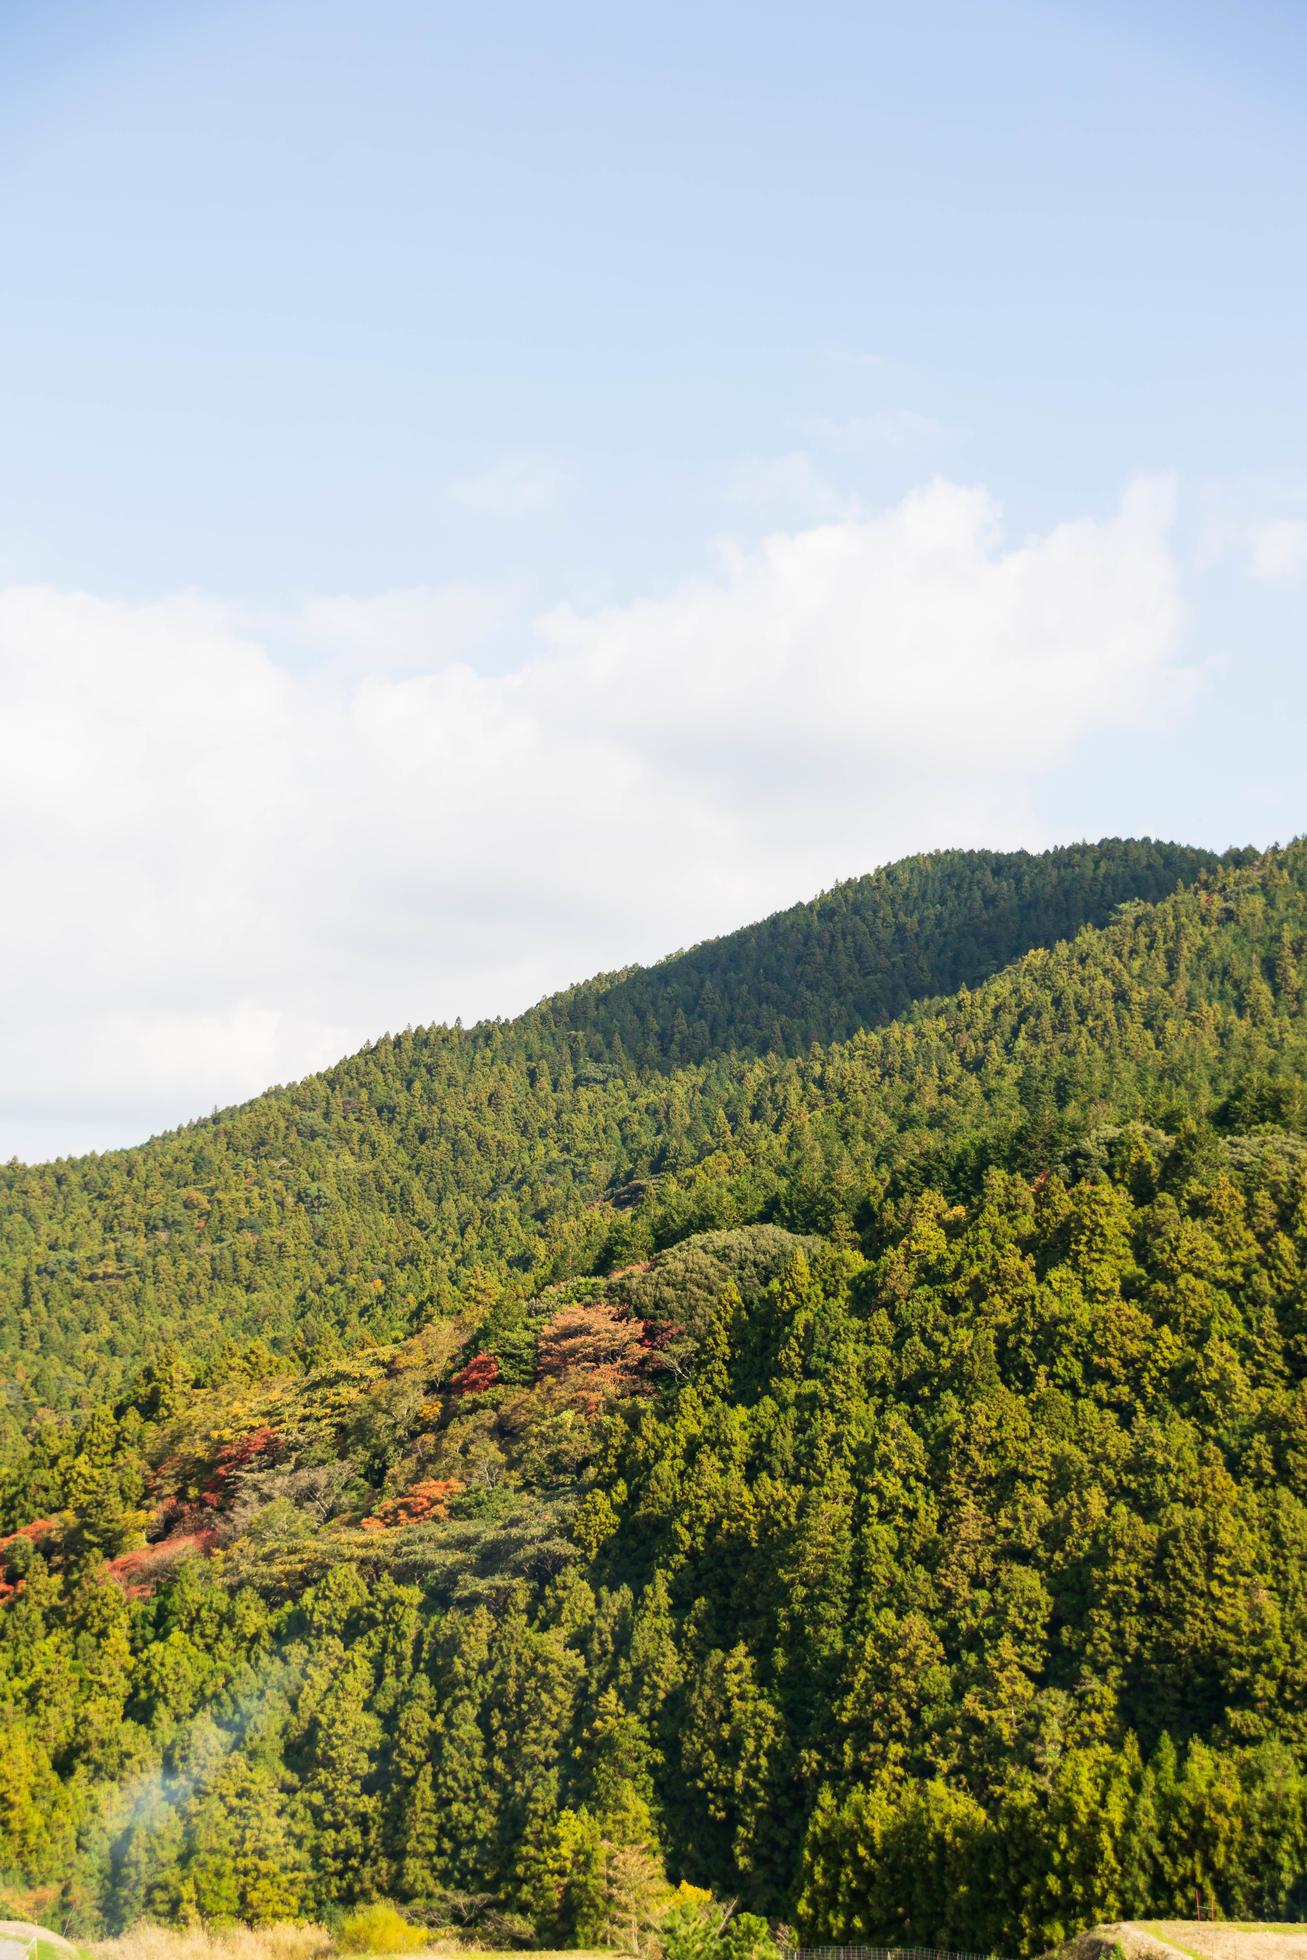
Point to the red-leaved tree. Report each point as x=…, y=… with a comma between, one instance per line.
x=481, y=1372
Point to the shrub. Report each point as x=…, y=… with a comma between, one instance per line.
x=380, y=1929
x=696, y=1928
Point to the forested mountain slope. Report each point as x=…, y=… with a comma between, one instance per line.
x=377, y=1194
x=864, y=952
x=886, y=1504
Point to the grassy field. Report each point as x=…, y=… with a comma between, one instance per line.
x=1192, y=1939
x=1230, y=1939
x=16, y=1932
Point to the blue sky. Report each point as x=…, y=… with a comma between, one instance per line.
x=401, y=341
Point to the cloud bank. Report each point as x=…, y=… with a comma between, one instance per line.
x=225, y=865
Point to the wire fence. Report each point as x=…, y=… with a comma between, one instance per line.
x=882, y=1953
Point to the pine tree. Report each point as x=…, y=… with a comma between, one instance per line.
x=243, y=1858
x=343, y=1807
x=418, y=1863
x=466, y=1797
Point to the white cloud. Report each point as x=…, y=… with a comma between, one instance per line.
x=412, y=630
x=1277, y=551
x=515, y=486
x=1257, y=523
x=799, y=486
x=222, y=868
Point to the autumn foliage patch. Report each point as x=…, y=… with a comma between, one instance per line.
x=480, y=1373
x=260, y=1444
x=424, y=1503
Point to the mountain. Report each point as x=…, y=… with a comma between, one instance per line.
x=371, y=1197
x=820, y=1420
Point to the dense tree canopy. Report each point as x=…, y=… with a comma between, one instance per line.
x=864, y=1477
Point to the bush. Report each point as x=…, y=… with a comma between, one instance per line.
x=697, y=1928
x=380, y=1929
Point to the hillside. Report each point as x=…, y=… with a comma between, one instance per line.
x=366, y=1199
x=869, y=1481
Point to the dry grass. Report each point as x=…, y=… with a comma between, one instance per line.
x=1223, y=1939
x=1190, y=1939
x=147, y=1942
